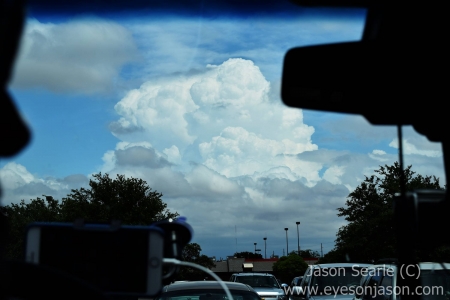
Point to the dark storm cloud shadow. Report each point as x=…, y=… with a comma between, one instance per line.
x=315, y=207
x=75, y=181
x=298, y=200
x=200, y=184
x=324, y=156
x=171, y=184
x=419, y=140
x=140, y=156
x=116, y=128
x=34, y=188
x=427, y=166
x=350, y=163
x=83, y=55
x=297, y=196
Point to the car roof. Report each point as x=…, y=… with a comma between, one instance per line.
x=254, y=274
x=341, y=265
x=193, y=285
x=422, y=265
x=434, y=266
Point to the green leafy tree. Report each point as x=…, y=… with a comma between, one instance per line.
x=288, y=267
x=308, y=253
x=333, y=256
x=192, y=253
x=370, y=234
x=247, y=254
x=19, y=215
x=129, y=200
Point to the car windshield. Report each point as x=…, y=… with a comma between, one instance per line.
x=433, y=279
x=339, y=280
x=204, y=294
x=173, y=110
x=258, y=281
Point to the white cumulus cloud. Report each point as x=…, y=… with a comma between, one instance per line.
x=79, y=56
x=410, y=148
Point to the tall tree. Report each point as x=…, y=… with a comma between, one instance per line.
x=247, y=254
x=129, y=200
x=288, y=267
x=369, y=234
x=192, y=253
x=307, y=253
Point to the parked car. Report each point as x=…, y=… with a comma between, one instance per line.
x=296, y=281
x=329, y=281
x=381, y=282
x=207, y=290
x=364, y=278
x=266, y=285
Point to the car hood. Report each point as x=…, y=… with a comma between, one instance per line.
x=332, y=296
x=268, y=291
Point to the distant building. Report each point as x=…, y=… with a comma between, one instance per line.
x=224, y=268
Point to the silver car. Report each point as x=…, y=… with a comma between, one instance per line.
x=206, y=290
x=381, y=281
x=266, y=285
x=329, y=281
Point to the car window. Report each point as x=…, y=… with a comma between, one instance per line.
x=258, y=281
x=439, y=280
x=306, y=279
x=387, y=285
x=373, y=283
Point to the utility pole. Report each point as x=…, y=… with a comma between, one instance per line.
x=287, y=244
x=298, y=239
x=265, y=247
x=321, y=250
x=256, y=250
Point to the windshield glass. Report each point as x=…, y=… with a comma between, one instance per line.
x=258, y=281
x=174, y=110
x=430, y=279
x=338, y=279
x=204, y=294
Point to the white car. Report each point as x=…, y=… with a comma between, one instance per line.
x=381, y=281
x=266, y=285
x=329, y=281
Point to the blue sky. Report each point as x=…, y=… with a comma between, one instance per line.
x=191, y=104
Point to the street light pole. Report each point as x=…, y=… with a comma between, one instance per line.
x=265, y=248
x=255, y=247
x=287, y=245
x=298, y=238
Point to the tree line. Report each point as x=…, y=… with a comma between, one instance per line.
x=368, y=236
x=129, y=200
x=370, y=232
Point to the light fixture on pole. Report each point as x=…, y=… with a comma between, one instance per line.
x=265, y=247
x=298, y=238
x=255, y=247
x=287, y=245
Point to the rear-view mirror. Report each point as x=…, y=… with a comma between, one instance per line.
x=345, y=77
